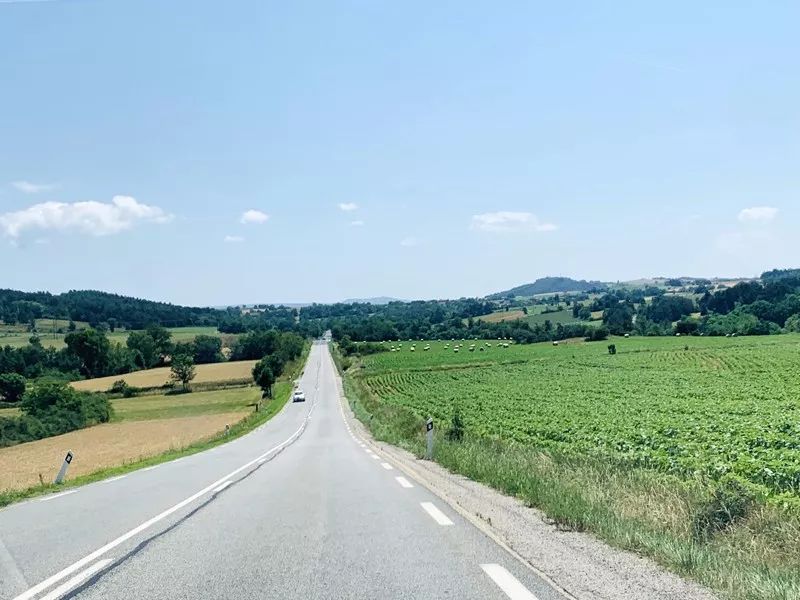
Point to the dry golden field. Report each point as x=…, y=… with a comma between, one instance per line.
x=107, y=445
x=150, y=378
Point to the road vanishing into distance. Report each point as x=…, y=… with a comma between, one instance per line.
x=299, y=508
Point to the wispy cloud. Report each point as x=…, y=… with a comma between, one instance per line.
x=91, y=218
x=758, y=214
x=348, y=206
x=233, y=239
x=27, y=187
x=409, y=242
x=356, y=223
x=254, y=216
x=509, y=222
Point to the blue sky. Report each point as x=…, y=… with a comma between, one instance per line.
x=411, y=149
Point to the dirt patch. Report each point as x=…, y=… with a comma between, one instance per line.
x=103, y=446
x=150, y=378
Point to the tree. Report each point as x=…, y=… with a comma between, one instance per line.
x=91, y=347
x=12, y=387
x=264, y=377
x=207, y=349
x=71, y=326
x=793, y=323
x=162, y=338
x=142, y=343
x=183, y=370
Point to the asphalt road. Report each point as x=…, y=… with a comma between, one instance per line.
x=299, y=508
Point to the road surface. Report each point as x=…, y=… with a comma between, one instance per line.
x=299, y=508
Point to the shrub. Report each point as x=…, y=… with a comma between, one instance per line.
x=597, y=334
x=12, y=387
x=731, y=500
x=456, y=431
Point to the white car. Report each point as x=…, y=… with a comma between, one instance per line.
x=298, y=396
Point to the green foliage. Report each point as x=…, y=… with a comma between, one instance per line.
x=457, y=428
x=12, y=387
x=618, y=318
x=793, y=324
x=182, y=369
x=91, y=348
x=207, y=349
x=668, y=308
x=730, y=500
x=53, y=409
x=597, y=334
x=143, y=346
x=264, y=376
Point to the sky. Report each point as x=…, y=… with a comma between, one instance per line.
x=212, y=153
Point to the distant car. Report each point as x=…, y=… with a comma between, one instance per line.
x=298, y=396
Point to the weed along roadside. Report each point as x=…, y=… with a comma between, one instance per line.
x=734, y=536
x=226, y=414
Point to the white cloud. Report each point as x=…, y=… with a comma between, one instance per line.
x=27, y=187
x=254, y=216
x=92, y=218
x=508, y=221
x=409, y=242
x=760, y=214
x=348, y=206
x=233, y=239
x=356, y=223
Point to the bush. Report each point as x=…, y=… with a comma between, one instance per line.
x=52, y=409
x=731, y=500
x=456, y=431
x=12, y=387
x=121, y=387
x=597, y=334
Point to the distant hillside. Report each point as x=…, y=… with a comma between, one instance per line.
x=551, y=285
x=376, y=300
x=96, y=307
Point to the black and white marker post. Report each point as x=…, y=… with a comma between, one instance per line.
x=63, y=471
x=429, y=432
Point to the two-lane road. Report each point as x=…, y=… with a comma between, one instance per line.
x=300, y=508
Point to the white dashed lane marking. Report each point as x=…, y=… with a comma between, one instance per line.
x=435, y=513
x=507, y=582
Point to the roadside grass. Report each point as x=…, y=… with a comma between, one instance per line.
x=281, y=393
x=237, y=371
x=651, y=513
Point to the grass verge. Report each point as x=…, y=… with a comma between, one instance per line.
x=717, y=533
x=282, y=392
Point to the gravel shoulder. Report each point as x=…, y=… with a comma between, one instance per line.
x=583, y=567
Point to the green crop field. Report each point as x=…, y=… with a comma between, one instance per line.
x=679, y=405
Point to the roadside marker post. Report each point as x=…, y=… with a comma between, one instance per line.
x=429, y=433
x=63, y=471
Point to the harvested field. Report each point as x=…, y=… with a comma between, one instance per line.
x=497, y=317
x=108, y=445
x=151, y=378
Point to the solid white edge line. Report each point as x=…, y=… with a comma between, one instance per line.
x=404, y=482
x=149, y=468
x=59, y=495
x=435, y=513
x=510, y=585
x=219, y=488
x=67, y=571
x=387, y=466
x=77, y=580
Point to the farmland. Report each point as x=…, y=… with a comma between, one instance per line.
x=684, y=449
x=51, y=333
x=678, y=405
x=536, y=315
x=236, y=371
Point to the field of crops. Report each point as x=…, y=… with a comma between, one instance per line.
x=683, y=405
x=48, y=332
